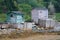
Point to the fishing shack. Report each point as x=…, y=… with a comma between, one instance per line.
x=15, y=17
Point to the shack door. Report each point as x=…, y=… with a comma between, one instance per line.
x=19, y=19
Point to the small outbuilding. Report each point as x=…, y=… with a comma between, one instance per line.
x=40, y=17
x=39, y=13
x=15, y=17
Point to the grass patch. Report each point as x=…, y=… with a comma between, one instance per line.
x=58, y=17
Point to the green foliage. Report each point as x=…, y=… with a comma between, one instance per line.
x=13, y=4
x=58, y=17
x=40, y=3
x=3, y=17
x=56, y=4
x=1, y=9
x=1, y=0
x=10, y=5
x=26, y=9
x=27, y=17
x=1, y=5
x=33, y=3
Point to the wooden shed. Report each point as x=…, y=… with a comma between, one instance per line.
x=15, y=17
x=39, y=13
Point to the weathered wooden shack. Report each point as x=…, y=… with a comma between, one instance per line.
x=15, y=17
x=39, y=13
x=40, y=17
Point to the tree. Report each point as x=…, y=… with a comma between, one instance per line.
x=33, y=3
x=41, y=3
x=1, y=4
x=26, y=9
x=10, y=5
x=1, y=1
x=56, y=4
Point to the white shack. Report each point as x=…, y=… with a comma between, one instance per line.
x=40, y=16
x=39, y=13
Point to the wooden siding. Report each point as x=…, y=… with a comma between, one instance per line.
x=39, y=14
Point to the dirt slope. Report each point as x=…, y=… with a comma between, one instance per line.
x=38, y=37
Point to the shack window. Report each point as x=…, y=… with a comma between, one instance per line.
x=11, y=16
